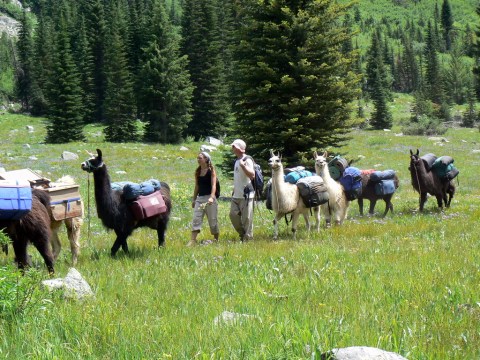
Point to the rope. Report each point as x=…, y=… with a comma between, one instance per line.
x=88, y=208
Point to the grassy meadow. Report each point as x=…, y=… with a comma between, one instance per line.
x=407, y=283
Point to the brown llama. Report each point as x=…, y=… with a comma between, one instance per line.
x=427, y=182
x=33, y=228
x=368, y=193
x=114, y=210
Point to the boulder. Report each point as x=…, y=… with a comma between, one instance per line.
x=73, y=285
x=361, y=353
x=67, y=155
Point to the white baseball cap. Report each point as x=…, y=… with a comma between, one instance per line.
x=239, y=144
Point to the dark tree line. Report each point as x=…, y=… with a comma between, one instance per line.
x=281, y=74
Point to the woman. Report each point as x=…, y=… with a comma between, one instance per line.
x=204, y=199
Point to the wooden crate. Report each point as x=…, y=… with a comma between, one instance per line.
x=65, y=201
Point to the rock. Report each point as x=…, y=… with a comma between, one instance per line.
x=387, y=130
x=184, y=148
x=30, y=128
x=120, y=172
x=34, y=158
x=67, y=155
x=73, y=284
x=9, y=25
x=27, y=146
x=213, y=141
x=207, y=148
x=361, y=353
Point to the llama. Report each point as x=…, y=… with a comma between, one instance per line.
x=73, y=226
x=286, y=198
x=427, y=182
x=114, y=210
x=34, y=228
x=337, y=203
x=368, y=192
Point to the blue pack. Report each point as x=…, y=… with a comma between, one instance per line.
x=385, y=187
x=382, y=175
x=15, y=199
x=351, y=181
x=293, y=176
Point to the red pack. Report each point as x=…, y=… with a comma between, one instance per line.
x=147, y=206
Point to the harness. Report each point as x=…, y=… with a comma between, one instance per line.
x=91, y=168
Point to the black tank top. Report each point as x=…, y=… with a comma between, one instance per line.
x=205, y=184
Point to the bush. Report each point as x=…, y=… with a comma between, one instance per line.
x=19, y=293
x=424, y=125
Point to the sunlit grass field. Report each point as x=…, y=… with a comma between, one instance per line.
x=408, y=283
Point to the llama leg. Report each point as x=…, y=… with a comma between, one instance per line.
x=440, y=201
x=20, y=251
x=317, y=218
x=294, y=224
x=360, y=206
x=56, y=244
x=73, y=232
x=275, y=226
x=423, y=200
x=162, y=227
x=372, y=207
x=326, y=213
x=121, y=240
x=43, y=247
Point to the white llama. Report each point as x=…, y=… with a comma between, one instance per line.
x=337, y=203
x=286, y=198
x=72, y=224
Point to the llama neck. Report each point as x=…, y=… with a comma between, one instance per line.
x=103, y=193
x=278, y=178
x=419, y=174
x=324, y=173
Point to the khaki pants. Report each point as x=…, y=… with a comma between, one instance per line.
x=199, y=212
x=241, y=216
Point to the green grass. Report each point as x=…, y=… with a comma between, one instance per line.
x=407, y=283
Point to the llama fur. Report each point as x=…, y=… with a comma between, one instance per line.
x=427, y=182
x=32, y=228
x=114, y=210
x=286, y=199
x=337, y=203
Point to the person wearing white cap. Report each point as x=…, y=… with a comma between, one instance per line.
x=241, y=207
x=205, y=197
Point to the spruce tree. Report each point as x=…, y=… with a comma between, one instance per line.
x=294, y=87
x=447, y=24
x=24, y=72
x=65, y=112
x=378, y=87
x=166, y=90
x=202, y=44
x=119, y=100
x=432, y=80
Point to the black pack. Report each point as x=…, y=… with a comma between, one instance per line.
x=313, y=191
x=257, y=182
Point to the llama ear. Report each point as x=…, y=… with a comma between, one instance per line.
x=325, y=154
x=315, y=155
x=418, y=152
x=271, y=153
x=99, y=152
x=411, y=152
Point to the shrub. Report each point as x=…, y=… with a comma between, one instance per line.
x=424, y=125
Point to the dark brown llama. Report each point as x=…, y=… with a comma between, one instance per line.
x=34, y=228
x=114, y=210
x=427, y=182
x=368, y=192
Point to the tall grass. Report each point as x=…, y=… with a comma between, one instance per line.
x=406, y=283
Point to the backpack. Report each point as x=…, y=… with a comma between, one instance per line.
x=351, y=181
x=337, y=166
x=443, y=167
x=257, y=182
x=385, y=187
x=313, y=191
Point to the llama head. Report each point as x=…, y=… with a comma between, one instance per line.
x=320, y=161
x=415, y=160
x=94, y=163
x=275, y=162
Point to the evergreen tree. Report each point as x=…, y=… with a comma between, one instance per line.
x=65, y=112
x=294, y=87
x=456, y=76
x=24, y=72
x=447, y=24
x=470, y=116
x=202, y=45
x=432, y=80
x=119, y=100
x=166, y=88
x=377, y=85
x=476, y=52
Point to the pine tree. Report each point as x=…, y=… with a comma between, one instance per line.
x=294, y=87
x=24, y=72
x=202, y=45
x=65, y=112
x=378, y=86
x=119, y=100
x=166, y=88
x=433, y=81
x=447, y=24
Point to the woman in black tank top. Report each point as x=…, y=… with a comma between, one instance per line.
x=204, y=200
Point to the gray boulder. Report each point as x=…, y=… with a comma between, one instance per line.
x=361, y=353
x=73, y=285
